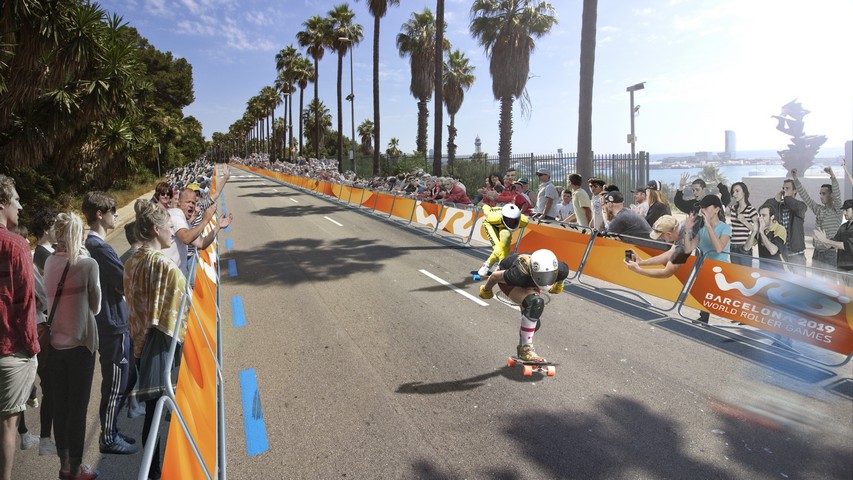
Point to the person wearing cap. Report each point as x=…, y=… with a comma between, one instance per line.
x=666, y=229
x=580, y=200
x=547, y=199
x=516, y=196
x=658, y=206
x=843, y=242
x=640, y=205
x=715, y=235
x=596, y=186
x=625, y=221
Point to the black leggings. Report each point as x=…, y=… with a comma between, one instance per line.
x=71, y=374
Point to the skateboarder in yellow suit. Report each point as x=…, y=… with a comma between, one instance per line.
x=499, y=223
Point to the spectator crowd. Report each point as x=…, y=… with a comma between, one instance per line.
x=73, y=296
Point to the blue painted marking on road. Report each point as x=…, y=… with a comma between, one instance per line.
x=253, y=415
x=237, y=312
x=232, y=267
x=227, y=229
x=223, y=209
x=229, y=244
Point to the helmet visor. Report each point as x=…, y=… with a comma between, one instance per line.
x=511, y=223
x=544, y=279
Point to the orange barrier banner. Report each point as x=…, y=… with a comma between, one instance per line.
x=426, y=213
x=457, y=221
x=809, y=310
x=568, y=244
x=403, y=206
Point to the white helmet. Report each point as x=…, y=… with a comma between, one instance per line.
x=544, y=267
x=511, y=216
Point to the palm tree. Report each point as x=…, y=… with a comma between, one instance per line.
x=365, y=133
x=393, y=149
x=345, y=36
x=458, y=77
x=315, y=38
x=507, y=30
x=417, y=40
x=269, y=100
x=378, y=8
x=303, y=73
x=587, y=69
x=284, y=62
x=438, y=77
x=318, y=119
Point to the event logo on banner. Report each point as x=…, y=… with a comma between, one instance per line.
x=814, y=312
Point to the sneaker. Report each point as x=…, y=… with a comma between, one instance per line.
x=527, y=354
x=484, y=270
x=118, y=447
x=28, y=441
x=85, y=473
x=33, y=403
x=127, y=439
x=704, y=317
x=46, y=447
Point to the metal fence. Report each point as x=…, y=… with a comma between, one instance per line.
x=618, y=169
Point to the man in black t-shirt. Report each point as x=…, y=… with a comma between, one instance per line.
x=669, y=230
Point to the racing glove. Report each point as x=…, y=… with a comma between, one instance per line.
x=486, y=294
x=556, y=288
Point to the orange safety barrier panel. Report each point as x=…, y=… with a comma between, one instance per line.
x=457, y=221
x=809, y=310
x=425, y=213
x=568, y=244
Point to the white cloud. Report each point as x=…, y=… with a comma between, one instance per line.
x=156, y=7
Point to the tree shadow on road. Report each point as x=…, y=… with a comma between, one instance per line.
x=297, y=210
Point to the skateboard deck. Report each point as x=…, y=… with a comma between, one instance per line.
x=545, y=368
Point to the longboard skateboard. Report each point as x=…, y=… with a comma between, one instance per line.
x=545, y=368
x=477, y=276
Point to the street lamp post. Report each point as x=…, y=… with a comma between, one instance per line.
x=351, y=99
x=632, y=139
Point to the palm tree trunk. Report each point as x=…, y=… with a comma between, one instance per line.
x=423, y=116
x=505, y=126
x=451, y=146
x=340, y=114
x=301, y=109
x=439, y=81
x=376, y=95
x=316, y=109
x=587, y=68
x=289, y=127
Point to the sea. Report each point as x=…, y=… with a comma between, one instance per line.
x=733, y=173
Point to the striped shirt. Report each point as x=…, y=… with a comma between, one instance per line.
x=829, y=217
x=740, y=232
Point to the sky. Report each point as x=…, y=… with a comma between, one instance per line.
x=709, y=66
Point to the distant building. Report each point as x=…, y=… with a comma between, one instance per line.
x=731, y=150
x=478, y=145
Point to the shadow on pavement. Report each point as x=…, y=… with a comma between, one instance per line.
x=297, y=210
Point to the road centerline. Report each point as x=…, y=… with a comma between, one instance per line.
x=455, y=288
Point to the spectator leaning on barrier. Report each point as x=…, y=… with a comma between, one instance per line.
x=744, y=221
x=184, y=234
x=828, y=216
x=452, y=192
x=657, y=203
x=843, y=242
x=18, y=336
x=667, y=229
x=163, y=196
x=771, y=238
x=625, y=221
x=580, y=200
x=791, y=215
x=547, y=199
x=117, y=378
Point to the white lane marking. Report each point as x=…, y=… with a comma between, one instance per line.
x=455, y=289
x=336, y=223
x=294, y=201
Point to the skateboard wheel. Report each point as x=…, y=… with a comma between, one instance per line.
x=551, y=371
x=510, y=362
x=528, y=370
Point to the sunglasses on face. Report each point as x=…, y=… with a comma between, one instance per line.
x=167, y=195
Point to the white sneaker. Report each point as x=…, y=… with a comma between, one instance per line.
x=28, y=441
x=46, y=447
x=484, y=270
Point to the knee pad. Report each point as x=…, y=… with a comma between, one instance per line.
x=532, y=307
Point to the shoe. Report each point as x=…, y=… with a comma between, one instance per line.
x=528, y=354
x=33, y=403
x=704, y=317
x=86, y=473
x=28, y=441
x=484, y=270
x=118, y=447
x=46, y=447
x=127, y=439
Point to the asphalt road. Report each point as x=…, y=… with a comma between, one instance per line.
x=369, y=368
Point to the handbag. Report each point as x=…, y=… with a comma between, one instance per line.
x=44, y=333
x=151, y=382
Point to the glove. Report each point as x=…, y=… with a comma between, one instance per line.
x=486, y=294
x=556, y=288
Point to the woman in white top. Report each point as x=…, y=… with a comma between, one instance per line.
x=73, y=342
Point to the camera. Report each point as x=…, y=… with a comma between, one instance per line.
x=629, y=256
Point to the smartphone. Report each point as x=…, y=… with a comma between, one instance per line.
x=629, y=256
